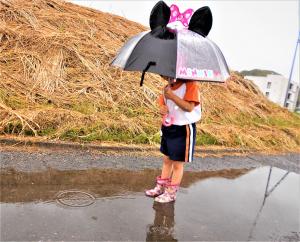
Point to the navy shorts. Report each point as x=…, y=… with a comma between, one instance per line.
x=178, y=142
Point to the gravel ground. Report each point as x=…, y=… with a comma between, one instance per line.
x=79, y=160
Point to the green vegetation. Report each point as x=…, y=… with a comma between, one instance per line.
x=257, y=72
x=206, y=139
x=112, y=134
x=84, y=108
x=13, y=101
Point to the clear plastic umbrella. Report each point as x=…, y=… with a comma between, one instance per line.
x=188, y=56
x=181, y=53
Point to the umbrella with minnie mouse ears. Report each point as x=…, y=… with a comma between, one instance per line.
x=175, y=47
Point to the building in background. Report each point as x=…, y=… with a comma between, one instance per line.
x=297, y=109
x=274, y=87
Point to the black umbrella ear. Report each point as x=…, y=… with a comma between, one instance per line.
x=159, y=15
x=201, y=21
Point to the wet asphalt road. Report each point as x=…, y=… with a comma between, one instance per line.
x=260, y=204
x=78, y=160
x=79, y=196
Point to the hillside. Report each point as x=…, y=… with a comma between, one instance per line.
x=56, y=82
x=258, y=72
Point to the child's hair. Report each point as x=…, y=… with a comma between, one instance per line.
x=165, y=77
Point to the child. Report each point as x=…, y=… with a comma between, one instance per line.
x=181, y=101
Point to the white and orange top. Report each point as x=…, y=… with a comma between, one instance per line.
x=188, y=91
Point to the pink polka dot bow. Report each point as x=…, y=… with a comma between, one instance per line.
x=182, y=17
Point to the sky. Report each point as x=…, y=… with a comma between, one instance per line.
x=251, y=34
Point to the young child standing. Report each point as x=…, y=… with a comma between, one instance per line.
x=181, y=102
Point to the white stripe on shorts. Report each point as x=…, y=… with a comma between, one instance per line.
x=191, y=143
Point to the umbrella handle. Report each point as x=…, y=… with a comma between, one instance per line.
x=168, y=120
x=151, y=63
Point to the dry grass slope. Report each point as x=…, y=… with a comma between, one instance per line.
x=55, y=81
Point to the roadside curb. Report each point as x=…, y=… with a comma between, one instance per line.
x=106, y=148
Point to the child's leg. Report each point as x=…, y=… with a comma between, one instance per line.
x=170, y=193
x=167, y=168
x=177, y=172
x=162, y=180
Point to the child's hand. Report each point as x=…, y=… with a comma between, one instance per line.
x=164, y=110
x=168, y=92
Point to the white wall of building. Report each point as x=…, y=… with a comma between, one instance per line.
x=274, y=88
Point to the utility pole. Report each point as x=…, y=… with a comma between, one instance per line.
x=292, y=68
x=293, y=63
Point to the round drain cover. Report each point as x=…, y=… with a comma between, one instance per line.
x=75, y=198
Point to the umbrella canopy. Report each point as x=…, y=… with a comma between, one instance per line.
x=145, y=48
x=182, y=54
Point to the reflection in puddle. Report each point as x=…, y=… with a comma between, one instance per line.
x=268, y=192
x=255, y=204
x=162, y=228
x=43, y=186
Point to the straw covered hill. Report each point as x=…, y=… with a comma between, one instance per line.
x=56, y=82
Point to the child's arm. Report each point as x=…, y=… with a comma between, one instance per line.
x=163, y=108
x=187, y=106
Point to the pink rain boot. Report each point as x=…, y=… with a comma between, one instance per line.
x=169, y=194
x=159, y=188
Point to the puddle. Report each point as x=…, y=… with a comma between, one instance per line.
x=73, y=198
x=239, y=204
